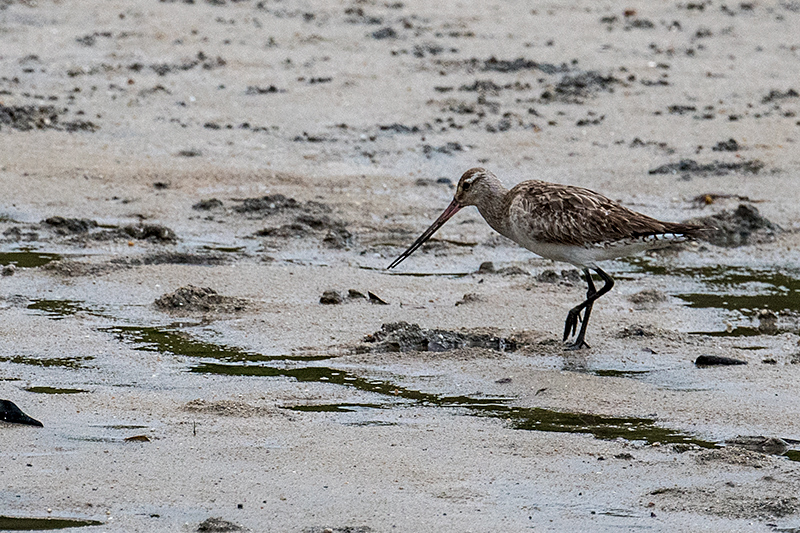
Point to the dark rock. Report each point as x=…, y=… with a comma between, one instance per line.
x=9, y=412
x=331, y=297
x=375, y=299
x=487, y=267
x=9, y=270
x=716, y=360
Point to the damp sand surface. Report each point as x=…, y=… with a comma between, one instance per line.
x=198, y=204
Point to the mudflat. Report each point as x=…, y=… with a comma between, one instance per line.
x=198, y=202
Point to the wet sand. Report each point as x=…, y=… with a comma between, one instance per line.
x=273, y=152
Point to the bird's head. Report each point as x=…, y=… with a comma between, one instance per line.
x=473, y=186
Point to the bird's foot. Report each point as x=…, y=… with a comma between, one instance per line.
x=571, y=324
x=579, y=344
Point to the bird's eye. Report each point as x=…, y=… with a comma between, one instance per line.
x=465, y=185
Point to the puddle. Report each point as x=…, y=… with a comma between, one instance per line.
x=118, y=426
x=740, y=291
x=54, y=390
x=335, y=408
x=11, y=523
x=600, y=427
x=62, y=362
x=383, y=270
x=233, y=361
x=58, y=309
x=534, y=419
x=224, y=249
x=168, y=339
x=27, y=259
x=610, y=373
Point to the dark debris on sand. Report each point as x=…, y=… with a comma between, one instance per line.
x=405, y=337
x=739, y=227
x=31, y=117
x=576, y=88
x=689, y=167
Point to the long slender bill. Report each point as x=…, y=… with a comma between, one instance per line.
x=451, y=210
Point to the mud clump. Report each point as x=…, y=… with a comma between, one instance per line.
x=567, y=276
x=739, y=227
x=70, y=226
x=297, y=220
x=688, y=167
x=150, y=232
x=576, y=88
x=331, y=298
x=639, y=330
x=199, y=299
x=218, y=525
x=275, y=203
x=759, y=443
x=648, y=297
x=207, y=205
x=335, y=232
x=405, y=337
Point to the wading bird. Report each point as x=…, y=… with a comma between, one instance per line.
x=562, y=223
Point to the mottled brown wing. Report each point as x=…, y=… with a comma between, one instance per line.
x=563, y=214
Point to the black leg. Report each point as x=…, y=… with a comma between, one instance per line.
x=573, y=317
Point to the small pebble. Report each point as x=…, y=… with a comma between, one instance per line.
x=331, y=298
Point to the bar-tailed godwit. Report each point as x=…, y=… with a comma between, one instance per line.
x=562, y=223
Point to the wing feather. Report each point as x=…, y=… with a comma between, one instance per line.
x=552, y=213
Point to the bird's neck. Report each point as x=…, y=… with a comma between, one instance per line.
x=491, y=205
